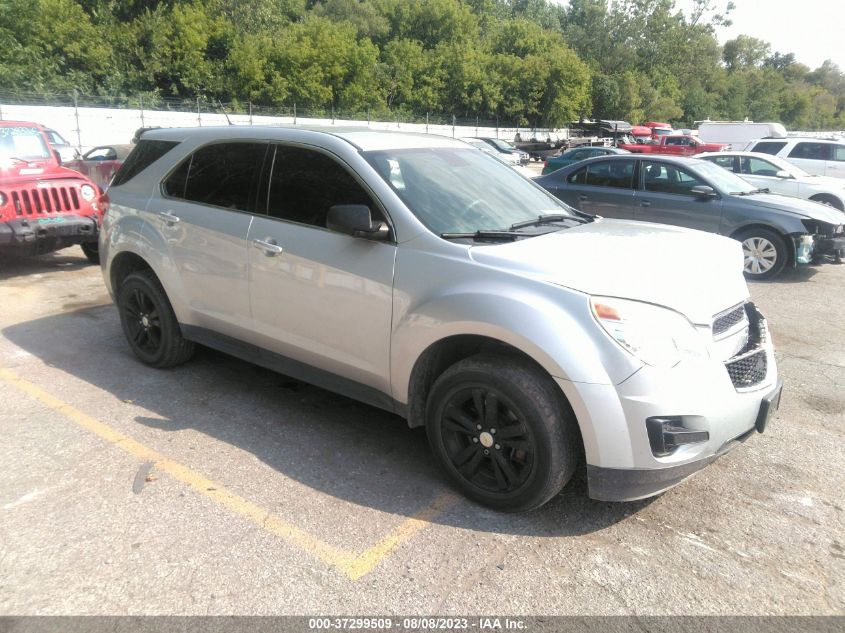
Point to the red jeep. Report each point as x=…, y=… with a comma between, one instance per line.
x=43, y=206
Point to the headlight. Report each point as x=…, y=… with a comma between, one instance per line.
x=657, y=336
x=88, y=192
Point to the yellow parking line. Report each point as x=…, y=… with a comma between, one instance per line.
x=353, y=566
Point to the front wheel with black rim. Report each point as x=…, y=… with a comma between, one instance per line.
x=91, y=251
x=764, y=253
x=502, y=431
x=149, y=324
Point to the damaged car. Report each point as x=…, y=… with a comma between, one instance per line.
x=775, y=230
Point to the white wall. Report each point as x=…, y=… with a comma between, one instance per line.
x=109, y=126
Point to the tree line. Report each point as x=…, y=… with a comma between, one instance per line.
x=527, y=62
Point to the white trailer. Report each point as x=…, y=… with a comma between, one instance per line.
x=737, y=134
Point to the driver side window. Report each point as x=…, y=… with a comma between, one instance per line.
x=304, y=184
x=758, y=167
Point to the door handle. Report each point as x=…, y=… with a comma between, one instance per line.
x=169, y=218
x=269, y=246
x=645, y=203
x=582, y=197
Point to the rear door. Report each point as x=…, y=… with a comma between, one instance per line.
x=602, y=188
x=320, y=297
x=665, y=196
x=204, y=216
x=811, y=156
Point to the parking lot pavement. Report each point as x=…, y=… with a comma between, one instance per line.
x=219, y=487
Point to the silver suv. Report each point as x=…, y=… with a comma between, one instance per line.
x=421, y=276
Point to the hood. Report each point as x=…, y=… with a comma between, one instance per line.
x=695, y=273
x=37, y=172
x=796, y=206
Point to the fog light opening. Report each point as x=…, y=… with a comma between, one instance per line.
x=667, y=433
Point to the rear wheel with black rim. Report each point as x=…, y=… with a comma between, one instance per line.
x=502, y=431
x=149, y=324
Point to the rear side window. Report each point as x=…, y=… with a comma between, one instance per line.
x=813, y=151
x=223, y=175
x=769, y=147
x=839, y=153
x=618, y=174
x=578, y=178
x=144, y=155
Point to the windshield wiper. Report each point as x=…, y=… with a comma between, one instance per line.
x=506, y=236
x=549, y=219
x=20, y=160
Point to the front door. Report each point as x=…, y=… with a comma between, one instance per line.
x=665, y=196
x=319, y=297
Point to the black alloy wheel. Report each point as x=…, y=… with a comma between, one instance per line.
x=502, y=431
x=149, y=323
x=485, y=439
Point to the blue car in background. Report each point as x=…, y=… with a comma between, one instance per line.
x=576, y=154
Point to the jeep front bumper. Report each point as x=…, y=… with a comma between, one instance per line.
x=38, y=235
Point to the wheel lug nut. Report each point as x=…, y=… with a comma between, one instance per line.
x=477, y=427
x=498, y=447
x=492, y=431
x=475, y=440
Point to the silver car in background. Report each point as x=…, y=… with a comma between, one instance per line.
x=416, y=274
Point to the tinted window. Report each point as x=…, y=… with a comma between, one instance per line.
x=305, y=183
x=758, y=167
x=578, y=178
x=666, y=178
x=769, y=147
x=815, y=151
x=144, y=155
x=618, y=174
x=223, y=175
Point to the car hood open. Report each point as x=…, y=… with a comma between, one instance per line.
x=698, y=274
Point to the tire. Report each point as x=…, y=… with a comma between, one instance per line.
x=830, y=201
x=92, y=251
x=764, y=253
x=538, y=446
x=149, y=324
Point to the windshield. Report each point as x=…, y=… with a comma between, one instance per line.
x=722, y=179
x=456, y=190
x=23, y=143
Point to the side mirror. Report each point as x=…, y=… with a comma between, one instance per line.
x=703, y=191
x=784, y=174
x=57, y=156
x=355, y=220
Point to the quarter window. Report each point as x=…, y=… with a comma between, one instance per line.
x=304, y=184
x=839, y=153
x=578, y=178
x=144, y=155
x=222, y=175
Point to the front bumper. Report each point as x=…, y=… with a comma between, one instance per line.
x=831, y=247
x=38, y=235
x=718, y=404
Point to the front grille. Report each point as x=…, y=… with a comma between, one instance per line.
x=45, y=200
x=727, y=320
x=748, y=370
x=750, y=367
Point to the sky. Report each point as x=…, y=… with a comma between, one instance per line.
x=812, y=29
